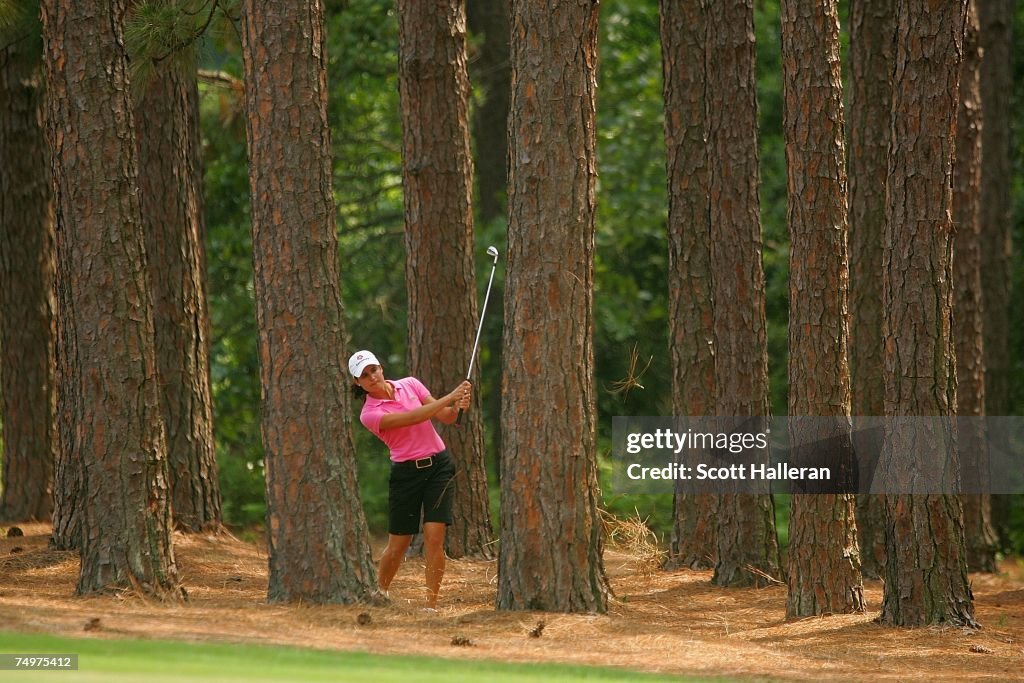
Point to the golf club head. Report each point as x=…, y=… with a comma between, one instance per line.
x=493, y=253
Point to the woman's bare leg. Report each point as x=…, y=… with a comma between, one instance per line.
x=392, y=558
x=433, y=551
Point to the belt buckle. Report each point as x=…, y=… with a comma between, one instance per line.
x=424, y=463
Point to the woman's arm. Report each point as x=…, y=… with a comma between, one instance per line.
x=450, y=412
x=445, y=410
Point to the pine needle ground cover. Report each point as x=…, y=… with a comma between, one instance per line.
x=661, y=622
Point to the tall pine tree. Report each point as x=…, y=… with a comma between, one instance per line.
x=926, y=569
x=747, y=546
x=551, y=533
x=872, y=55
x=824, y=563
x=319, y=546
x=691, y=313
x=111, y=433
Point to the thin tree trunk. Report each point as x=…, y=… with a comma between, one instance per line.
x=926, y=570
x=872, y=56
x=108, y=404
x=319, y=546
x=747, y=546
x=438, y=180
x=691, y=314
x=170, y=189
x=27, y=296
x=551, y=533
x=824, y=560
x=967, y=316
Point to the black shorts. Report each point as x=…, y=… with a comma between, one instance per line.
x=412, y=490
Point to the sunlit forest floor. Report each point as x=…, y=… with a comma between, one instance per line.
x=670, y=622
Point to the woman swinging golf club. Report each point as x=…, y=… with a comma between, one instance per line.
x=398, y=413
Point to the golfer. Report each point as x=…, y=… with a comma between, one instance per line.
x=398, y=413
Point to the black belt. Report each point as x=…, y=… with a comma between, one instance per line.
x=420, y=463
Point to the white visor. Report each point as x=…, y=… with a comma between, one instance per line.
x=359, y=360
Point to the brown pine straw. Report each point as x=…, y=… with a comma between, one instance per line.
x=674, y=622
x=635, y=540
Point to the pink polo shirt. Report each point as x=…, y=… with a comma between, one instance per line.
x=405, y=443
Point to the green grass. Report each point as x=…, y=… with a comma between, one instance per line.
x=157, y=661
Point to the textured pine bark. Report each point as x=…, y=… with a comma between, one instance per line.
x=27, y=296
x=926, y=571
x=747, y=545
x=319, y=549
x=872, y=55
x=438, y=181
x=66, y=495
x=824, y=559
x=108, y=407
x=551, y=533
x=967, y=310
x=691, y=314
x=171, y=194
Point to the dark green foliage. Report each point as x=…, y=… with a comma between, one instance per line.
x=15, y=16
x=234, y=367
x=632, y=362
x=161, y=32
x=20, y=28
x=772, y=154
x=156, y=29
x=631, y=290
x=362, y=76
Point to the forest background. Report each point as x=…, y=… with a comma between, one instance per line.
x=631, y=278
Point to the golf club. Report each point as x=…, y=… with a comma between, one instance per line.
x=493, y=253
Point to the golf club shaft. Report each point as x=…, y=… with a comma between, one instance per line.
x=479, y=329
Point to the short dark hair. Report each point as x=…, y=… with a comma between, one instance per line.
x=358, y=391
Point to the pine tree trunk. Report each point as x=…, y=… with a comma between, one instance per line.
x=108, y=404
x=926, y=570
x=551, y=533
x=747, y=545
x=824, y=560
x=171, y=193
x=438, y=181
x=66, y=533
x=996, y=17
x=967, y=316
x=319, y=549
x=691, y=315
x=27, y=280
x=872, y=55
